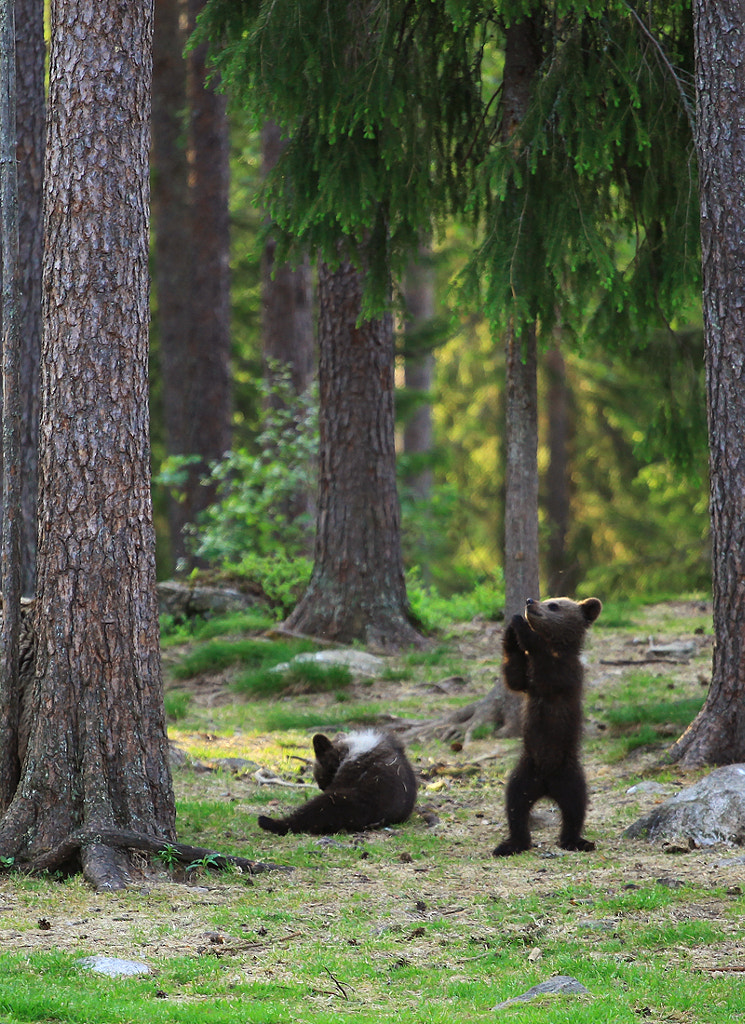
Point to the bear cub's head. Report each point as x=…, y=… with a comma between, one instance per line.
x=561, y=622
x=329, y=755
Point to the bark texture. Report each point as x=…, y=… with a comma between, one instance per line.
x=97, y=754
x=357, y=589
x=31, y=115
x=717, y=736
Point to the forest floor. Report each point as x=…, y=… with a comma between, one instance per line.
x=431, y=884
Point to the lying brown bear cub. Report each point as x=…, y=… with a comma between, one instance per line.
x=542, y=660
x=367, y=782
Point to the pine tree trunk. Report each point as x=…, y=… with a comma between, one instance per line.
x=211, y=386
x=522, y=56
x=286, y=295
x=288, y=342
x=419, y=366
x=561, y=575
x=192, y=174
x=521, y=569
x=521, y=472
x=717, y=736
x=173, y=242
x=97, y=756
x=30, y=61
x=357, y=589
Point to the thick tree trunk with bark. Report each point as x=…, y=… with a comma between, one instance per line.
x=357, y=589
x=717, y=736
x=97, y=756
x=30, y=59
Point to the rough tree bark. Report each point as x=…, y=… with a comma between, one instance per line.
x=30, y=107
x=97, y=756
x=11, y=408
x=357, y=589
x=717, y=736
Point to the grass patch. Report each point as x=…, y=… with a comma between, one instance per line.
x=289, y=718
x=254, y=620
x=177, y=706
x=299, y=677
x=217, y=655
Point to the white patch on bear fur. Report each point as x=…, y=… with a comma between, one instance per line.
x=359, y=743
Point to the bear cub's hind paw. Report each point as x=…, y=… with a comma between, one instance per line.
x=581, y=845
x=508, y=848
x=271, y=825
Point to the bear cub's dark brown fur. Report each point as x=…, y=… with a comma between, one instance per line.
x=542, y=660
x=367, y=782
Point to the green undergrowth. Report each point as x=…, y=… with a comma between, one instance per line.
x=643, y=711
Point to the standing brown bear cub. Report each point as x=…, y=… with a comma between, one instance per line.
x=542, y=660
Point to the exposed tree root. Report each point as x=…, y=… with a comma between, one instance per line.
x=106, y=866
x=495, y=711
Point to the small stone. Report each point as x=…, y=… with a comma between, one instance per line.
x=113, y=967
x=560, y=983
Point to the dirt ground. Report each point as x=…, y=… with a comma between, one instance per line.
x=460, y=817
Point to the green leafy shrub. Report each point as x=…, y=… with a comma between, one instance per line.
x=261, y=525
x=257, y=509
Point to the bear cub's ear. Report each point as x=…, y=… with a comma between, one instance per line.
x=321, y=745
x=591, y=608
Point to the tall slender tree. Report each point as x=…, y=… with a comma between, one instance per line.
x=30, y=122
x=11, y=405
x=97, y=755
x=717, y=736
x=192, y=252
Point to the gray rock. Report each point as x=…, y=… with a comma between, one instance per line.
x=563, y=983
x=356, y=661
x=676, y=649
x=187, y=600
x=648, y=786
x=113, y=967
x=712, y=811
